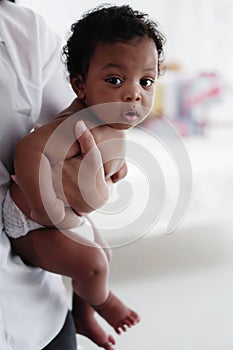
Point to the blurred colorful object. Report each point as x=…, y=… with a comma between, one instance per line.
x=185, y=99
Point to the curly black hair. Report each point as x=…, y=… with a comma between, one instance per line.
x=107, y=24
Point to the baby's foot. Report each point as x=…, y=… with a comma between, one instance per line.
x=92, y=330
x=87, y=325
x=117, y=314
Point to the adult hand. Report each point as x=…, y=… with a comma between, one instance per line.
x=94, y=192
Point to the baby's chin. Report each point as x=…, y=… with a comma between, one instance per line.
x=121, y=126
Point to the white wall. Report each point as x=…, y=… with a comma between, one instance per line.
x=199, y=32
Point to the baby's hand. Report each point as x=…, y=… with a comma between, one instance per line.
x=122, y=172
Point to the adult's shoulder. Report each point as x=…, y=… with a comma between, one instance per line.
x=28, y=39
x=20, y=15
x=26, y=26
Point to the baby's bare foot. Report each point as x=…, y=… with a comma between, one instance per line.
x=87, y=325
x=92, y=330
x=117, y=314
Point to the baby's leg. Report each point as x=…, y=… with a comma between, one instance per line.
x=118, y=315
x=100, y=240
x=84, y=314
x=86, y=263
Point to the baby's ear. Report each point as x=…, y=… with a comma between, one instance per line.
x=78, y=86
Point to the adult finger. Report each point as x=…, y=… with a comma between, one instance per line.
x=91, y=172
x=86, y=140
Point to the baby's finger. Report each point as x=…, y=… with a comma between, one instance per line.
x=122, y=172
x=37, y=126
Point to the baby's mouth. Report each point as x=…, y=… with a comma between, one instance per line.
x=130, y=116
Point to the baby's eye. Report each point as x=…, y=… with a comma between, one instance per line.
x=147, y=82
x=114, y=81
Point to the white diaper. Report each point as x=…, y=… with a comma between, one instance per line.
x=16, y=224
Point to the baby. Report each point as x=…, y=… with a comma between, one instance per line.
x=113, y=57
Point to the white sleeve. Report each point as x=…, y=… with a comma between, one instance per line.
x=57, y=93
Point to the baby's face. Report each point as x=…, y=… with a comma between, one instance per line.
x=125, y=73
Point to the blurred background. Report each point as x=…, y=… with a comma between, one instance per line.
x=180, y=283
x=198, y=32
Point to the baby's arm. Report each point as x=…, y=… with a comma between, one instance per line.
x=33, y=159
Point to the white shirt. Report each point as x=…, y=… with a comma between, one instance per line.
x=33, y=88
